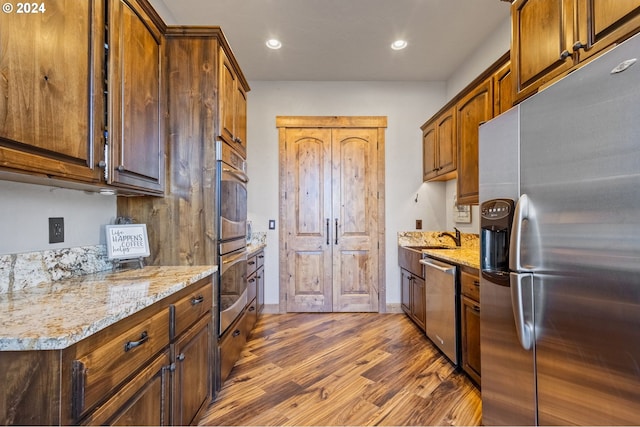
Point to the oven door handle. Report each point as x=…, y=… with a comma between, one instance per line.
x=237, y=173
x=228, y=262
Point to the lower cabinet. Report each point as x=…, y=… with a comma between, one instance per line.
x=470, y=322
x=231, y=345
x=142, y=401
x=192, y=376
x=413, y=297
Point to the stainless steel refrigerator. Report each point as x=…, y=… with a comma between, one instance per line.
x=560, y=340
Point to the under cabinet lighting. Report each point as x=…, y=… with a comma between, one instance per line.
x=399, y=44
x=273, y=44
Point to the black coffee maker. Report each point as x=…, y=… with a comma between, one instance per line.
x=495, y=226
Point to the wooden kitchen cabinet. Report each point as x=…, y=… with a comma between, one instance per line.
x=502, y=89
x=142, y=401
x=473, y=109
x=551, y=37
x=51, y=106
x=232, y=105
x=470, y=322
x=136, y=98
x=412, y=285
x=192, y=380
x=439, y=147
x=260, y=276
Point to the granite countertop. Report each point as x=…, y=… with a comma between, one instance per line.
x=56, y=315
x=467, y=254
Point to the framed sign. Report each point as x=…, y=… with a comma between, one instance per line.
x=127, y=241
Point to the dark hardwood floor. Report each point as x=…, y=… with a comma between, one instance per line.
x=343, y=369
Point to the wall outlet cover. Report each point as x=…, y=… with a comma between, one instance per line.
x=56, y=230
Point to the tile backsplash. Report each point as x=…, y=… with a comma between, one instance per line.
x=20, y=271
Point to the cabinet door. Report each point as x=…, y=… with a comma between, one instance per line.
x=605, y=22
x=476, y=107
x=405, y=290
x=447, y=147
x=192, y=377
x=471, y=338
x=418, y=301
x=543, y=36
x=429, y=153
x=50, y=62
x=240, y=122
x=260, y=289
x=502, y=89
x=135, y=92
x=142, y=401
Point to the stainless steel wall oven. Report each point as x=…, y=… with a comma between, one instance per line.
x=232, y=228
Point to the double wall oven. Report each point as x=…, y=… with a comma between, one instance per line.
x=232, y=229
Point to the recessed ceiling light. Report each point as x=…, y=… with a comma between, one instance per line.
x=274, y=44
x=399, y=44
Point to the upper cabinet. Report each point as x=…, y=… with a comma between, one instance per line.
x=81, y=96
x=550, y=37
x=472, y=110
x=51, y=110
x=232, y=104
x=439, y=148
x=135, y=92
x=450, y=137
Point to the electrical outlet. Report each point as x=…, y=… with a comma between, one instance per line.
x=272, y=224
x=56, y=230
x=418, y=224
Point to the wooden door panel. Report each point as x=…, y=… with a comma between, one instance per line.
x=308, y=207
x=429, y=166
x=447, y=148
x=355, y=206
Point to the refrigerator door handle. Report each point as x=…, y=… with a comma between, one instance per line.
x=520, y=215
x=521, y=295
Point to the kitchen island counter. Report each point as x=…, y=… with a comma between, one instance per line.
x=56, y=315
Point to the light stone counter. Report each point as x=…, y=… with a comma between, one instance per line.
x=56, y=315
x=468, y=253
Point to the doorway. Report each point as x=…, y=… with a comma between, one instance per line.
x=332, y=214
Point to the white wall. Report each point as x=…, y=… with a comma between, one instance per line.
x=25, y=210
x=493, y=48
x=406, y=105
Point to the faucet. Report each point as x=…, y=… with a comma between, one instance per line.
x=455, y=238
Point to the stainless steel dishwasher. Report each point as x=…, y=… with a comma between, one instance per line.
x=441, y=296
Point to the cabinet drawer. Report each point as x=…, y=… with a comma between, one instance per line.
x=251, y=317
x=252, y=264
x=97, y=373
x=252, y=283
x=260, y=259
x=190, y=308
x=231, y=346
x=470, y=285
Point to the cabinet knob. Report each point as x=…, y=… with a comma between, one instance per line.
x=578, y=45
x=564, y=55
x=121, y=168
x=102, y=164
x=180, y=357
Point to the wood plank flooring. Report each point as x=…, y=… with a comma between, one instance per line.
x=343, y=369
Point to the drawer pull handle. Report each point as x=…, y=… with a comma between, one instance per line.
x=180, y=357
x=476, y=308
x=476, y=283
x=251, y=262
x=133, y=344
x=236, y=332
x=252, y=308
x=196, y=301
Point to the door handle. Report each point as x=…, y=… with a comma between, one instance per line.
x=520, y=215
x=328, y=231
x=336, y=242
x=521, y=283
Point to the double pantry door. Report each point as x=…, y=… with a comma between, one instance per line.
x=332, y=214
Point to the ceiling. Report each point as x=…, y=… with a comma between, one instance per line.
x=345, y=40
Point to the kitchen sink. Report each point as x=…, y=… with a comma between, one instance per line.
x=420, y=248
